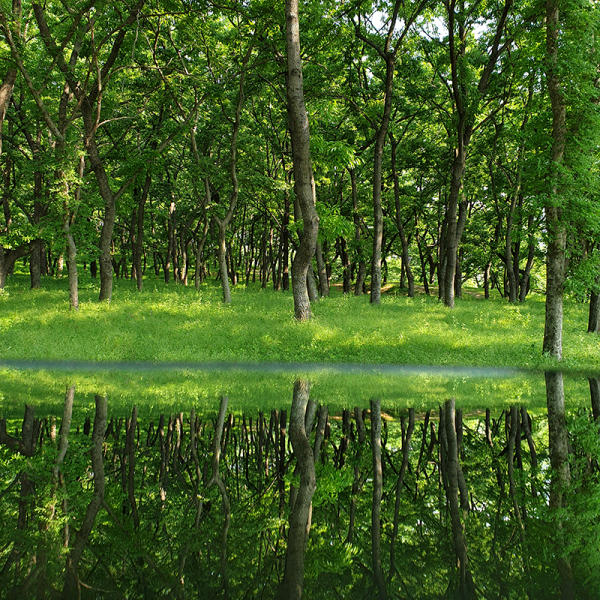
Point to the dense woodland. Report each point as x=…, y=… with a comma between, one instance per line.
x=155, y=137
x=205, y=504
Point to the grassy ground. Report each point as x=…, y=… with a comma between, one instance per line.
x=166, y=324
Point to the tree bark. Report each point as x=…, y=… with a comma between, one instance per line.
x=8, y=83
x=139, y=237
x=595, y=398
x=555, y=257
x=405, y=256
x=304, y=186
x=594, y=313
x=322, y=269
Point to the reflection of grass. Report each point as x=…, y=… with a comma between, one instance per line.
x=249, y=392
x=173, y=323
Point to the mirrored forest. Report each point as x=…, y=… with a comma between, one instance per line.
x=367, y=501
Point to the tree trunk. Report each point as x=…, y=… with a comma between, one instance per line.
x=285, y=239
x=360, y=275
x=405, y=256
x=594, y=313
x=465, y=124
x=322, y=269
x=595, y=398
x=555, y=257
x=304, y=186
x=139, y=238
x=390, y=61
x=8, y=83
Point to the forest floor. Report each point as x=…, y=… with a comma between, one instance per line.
x=170, y=327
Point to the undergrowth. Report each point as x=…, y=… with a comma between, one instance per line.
x=176, y=324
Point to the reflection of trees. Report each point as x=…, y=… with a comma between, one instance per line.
x=125, y=507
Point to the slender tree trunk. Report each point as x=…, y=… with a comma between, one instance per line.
x=390, y=61
x=304, y=186
x=322, y=268
x=524, y=279
x=555, y=256
x=465, y=124
x=405, y=256
x=285, y=239
x=594, y=313
x=139, y=238
x=360, y=274
x=595, y=398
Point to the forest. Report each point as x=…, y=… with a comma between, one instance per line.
x=456, y=138
x=382, y=163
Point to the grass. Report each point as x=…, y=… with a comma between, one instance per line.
x=174, y=324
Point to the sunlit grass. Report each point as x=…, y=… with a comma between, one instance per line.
x=175, y=324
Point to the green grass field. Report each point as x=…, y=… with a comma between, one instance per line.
x=175, y=324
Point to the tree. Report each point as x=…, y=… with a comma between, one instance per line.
x=304, y=184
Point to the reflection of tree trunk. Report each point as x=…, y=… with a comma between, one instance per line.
x=405, y=450
x=451, y=480
x=528, y=436
x=300, y=517
x=513, y=439
x=63, y=444
x=356, y=484
x=130, y=445
x=26, y=446
x=377, y=494
x=320, y=433
x=71, y=587
x=561, y=473
x=216, y=479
